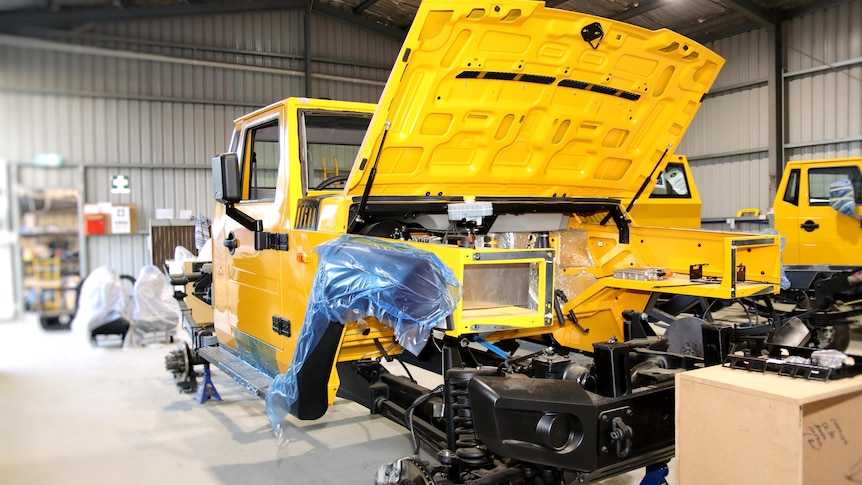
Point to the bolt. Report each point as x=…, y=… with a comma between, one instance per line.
x=616, y=434
x=629, y=412
x=604, y=449
x=605, y=418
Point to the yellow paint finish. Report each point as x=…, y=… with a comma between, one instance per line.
x=679, y=212
x=514, y=63
x=838, y=239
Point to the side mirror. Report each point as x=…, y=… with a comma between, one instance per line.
x=226, y=178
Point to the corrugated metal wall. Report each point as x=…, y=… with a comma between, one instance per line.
x=728, y=140
x=155, y=99
x=824, y=83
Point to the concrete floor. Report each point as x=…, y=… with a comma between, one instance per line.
x=74, y=414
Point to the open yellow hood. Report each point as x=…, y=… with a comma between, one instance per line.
x=514, y=99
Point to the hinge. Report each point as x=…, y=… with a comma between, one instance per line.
x=270, y=240
x=280, y=325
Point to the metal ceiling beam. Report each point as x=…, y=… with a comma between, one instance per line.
x=364, y=6
x=358, y=20
x=84, y=15
x=642, y=8
x=723, y=33
x=713, y=24
x=754, y=11
x=820, y=5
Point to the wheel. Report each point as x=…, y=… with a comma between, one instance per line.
x=179, y=363
x=835, y=336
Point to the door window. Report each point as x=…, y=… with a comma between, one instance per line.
x=791, y=193
x=819, y=180
x=261, y=156
x=330, y=143
x=672, y=183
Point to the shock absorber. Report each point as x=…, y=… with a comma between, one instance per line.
x=459, y=416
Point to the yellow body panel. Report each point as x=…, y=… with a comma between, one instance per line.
x=800, y=201
x=671, y=200
x=508, y=99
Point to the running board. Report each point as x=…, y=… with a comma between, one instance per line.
x=242, y=372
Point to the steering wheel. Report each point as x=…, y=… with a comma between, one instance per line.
x=330, y=181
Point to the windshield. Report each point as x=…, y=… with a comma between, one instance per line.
x=331, y=142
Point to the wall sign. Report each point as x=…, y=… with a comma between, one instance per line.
x=120, y=184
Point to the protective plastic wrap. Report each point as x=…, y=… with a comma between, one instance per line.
x=573, y=284
x=181, y=255
x=155, y=309
x=842, y=198
x=574, y=249
x=102, y=299
x=785, y=281
x=403, y=287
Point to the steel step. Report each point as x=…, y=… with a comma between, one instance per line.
x=243, y=372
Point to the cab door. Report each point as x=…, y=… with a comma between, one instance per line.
x=825, y=235
x=786, y=209
x=252, y=276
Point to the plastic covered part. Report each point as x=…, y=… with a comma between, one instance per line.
x=181, y=255
x=155, y=309
x=574, y=248
x=404, y=287
x=831, y=358
x=103, y=298
x=784, y=281
x=842, y=198
x=574, y=284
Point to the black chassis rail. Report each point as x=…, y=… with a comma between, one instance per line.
x=408, y=206
x=528, y=422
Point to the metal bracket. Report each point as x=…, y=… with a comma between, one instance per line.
x=280, y=325
x=591, y=33
x=271, y=240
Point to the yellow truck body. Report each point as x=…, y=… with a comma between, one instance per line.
x=502, y=107
x=816, y=233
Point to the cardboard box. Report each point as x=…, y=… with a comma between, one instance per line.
x=736, y=426
x=124, y=219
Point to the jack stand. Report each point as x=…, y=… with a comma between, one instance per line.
x=655, y=474
x=207, y=389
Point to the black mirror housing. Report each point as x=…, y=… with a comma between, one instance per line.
x=226, y=178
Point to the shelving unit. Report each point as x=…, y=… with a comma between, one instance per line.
x=49, y=248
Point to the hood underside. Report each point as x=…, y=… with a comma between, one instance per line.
x=514, y=99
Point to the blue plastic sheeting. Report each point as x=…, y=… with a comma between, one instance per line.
x=406, y=288
x=842, y=198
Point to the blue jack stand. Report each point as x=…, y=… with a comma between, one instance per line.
x=655, y=474
x=207, y=389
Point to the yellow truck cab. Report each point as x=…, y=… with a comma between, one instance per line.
x=480, y=202
x=816, y=233
x=673, y=200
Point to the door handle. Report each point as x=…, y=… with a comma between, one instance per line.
x=809, y=225
x=230, y=243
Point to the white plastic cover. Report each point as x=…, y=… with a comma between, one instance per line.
x=103, y=299
x=155, y=308
x=406, y=288
x=181, y=255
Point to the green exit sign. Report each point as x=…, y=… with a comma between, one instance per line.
x=47, y=160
